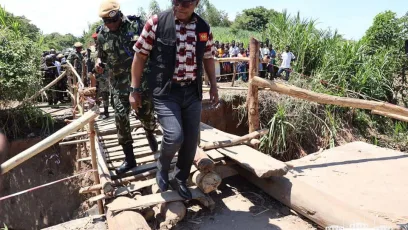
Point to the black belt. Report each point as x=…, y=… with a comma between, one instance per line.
x=184, y=83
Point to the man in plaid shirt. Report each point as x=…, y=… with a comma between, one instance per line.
x=177, y=45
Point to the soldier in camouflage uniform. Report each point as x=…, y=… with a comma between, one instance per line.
x=115, y=42
x=77, y=56
x=50, y=72
x=102, y=80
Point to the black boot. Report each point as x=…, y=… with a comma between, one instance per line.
x=105, y=114
x=129, y=162
x=152, y=140
x=162, y=180
x=183, y=190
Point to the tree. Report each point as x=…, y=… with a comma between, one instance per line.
x=386, y=31
x=154, y=8
x=213, y=16
x=142, y=14
x=254, y=19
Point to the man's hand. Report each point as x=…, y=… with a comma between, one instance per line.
x=135, y=100
x=214, y=95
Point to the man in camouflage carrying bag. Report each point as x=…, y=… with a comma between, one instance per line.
x=115, y=49
x=77, y=56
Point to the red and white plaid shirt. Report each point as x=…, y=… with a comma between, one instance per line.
x=186, y=62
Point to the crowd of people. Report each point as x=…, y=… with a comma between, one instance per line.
x=268, y=60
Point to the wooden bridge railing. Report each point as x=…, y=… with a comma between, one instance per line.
x=76, y=91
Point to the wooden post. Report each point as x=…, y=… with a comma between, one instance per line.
x=234, y=65
x=48, y=142
x=252, y=98
x=94, y=162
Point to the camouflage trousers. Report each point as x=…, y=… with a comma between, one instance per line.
x=51, y=94
x=122, y=109
x=102, y=90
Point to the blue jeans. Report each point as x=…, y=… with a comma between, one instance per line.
x=287, y=72
x=179, y=115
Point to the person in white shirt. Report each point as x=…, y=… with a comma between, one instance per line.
x=234, y=50
x=287, y=57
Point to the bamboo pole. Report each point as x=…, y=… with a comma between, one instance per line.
x=94, y=162
x=235, y=141
x=49, y=141
x=233, y=59
x=48, y=86
x=234, y=65
x=104, y=175
x=390, y=115
x=252, y=98
x=76, y=74
x=328, y=99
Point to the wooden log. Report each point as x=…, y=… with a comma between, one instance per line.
x=104, y=176
x=172, y=212
x=55, y=81
x=202, y=161
x=127, y=220
x=391, y=115
x=154, y=199
x=125, y=190
x=252, y=98
x=48, y=142
x=235, y=73
x=233, y=142
x=328, y=99
x=321, y=208
x=207, y=182
x=87, y=92
x=225, y=171
x=95, y=163
x=73, y=142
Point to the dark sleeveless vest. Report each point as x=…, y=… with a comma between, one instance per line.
x=162, y=59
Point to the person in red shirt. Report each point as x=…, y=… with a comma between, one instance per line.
x=177, y=45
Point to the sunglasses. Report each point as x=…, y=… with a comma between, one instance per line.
x=184, y=4
x=110, y=20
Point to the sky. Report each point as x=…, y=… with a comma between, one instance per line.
x=350, y=17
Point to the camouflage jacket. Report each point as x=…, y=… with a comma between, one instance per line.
x=76, y=56
x=116, y=50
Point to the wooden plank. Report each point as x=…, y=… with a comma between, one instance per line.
x=98, y=168
x=321, y=98
x=321, y=208
x=150, y=200
x=73, y=142
x=142, y=160
x=137, y=143
x=256, y=162
x=215, y=155
x=390, y=115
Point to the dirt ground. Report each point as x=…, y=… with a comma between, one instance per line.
x=241, y=206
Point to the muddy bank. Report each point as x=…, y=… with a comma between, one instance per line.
x=224, y=118
x=46, y=206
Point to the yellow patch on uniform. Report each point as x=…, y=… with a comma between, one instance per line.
x=203, y=37
x=135, y=38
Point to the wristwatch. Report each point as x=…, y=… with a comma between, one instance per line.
x=134, y=90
